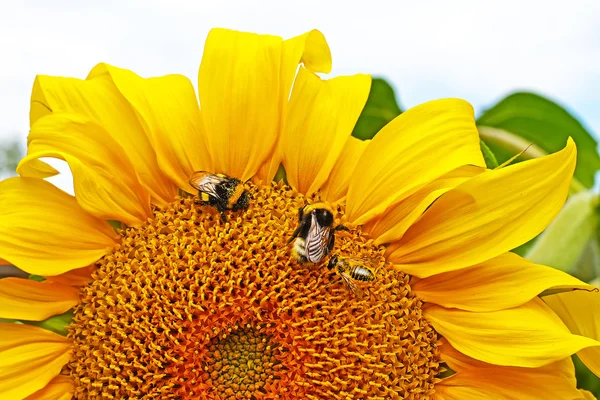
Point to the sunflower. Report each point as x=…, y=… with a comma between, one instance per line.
x=140, y=292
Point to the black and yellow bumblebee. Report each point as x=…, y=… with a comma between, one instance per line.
x=352, y=270
x=220, y=191
x=315, y=235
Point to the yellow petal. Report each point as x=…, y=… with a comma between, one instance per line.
x=241, y=95
x=244, y=83
x=585, y=395
x=44, y=231
x=530, y=335
x=580, y=311
x=29, y=300
x=75, y=277
x=503, y=282
x=59, y=388
x=37, y=169
x=336, y=186
x=98, y=100
x=105, y=182
x=460, y=362
x=487, y=215
x=510, y=383
x=320, y=120
x=483, y=379
x=313, y=51
x=167, y=109
x=415, y=148
x=396, y=220
x=30, y=357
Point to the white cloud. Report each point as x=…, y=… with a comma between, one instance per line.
x=471, y=49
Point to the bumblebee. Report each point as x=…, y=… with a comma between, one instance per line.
x=352, y=270
x=220, y=191
x=315, y=235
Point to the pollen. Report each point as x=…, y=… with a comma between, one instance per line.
x=190, y=307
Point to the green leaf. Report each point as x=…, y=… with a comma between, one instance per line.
x=588, y=268
x=380, y=109
x=57, y=323
x=586, y=378
x=538, y=120
x=488, y=155
x=10, y=155
x=116, y=225
x=280, y=175
x=564, y=242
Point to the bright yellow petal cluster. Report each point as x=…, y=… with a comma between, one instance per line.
x=420, y=187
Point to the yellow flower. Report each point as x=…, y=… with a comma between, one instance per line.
x=179, y=304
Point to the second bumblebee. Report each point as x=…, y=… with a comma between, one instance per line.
x=220, y=191
x=352, y=270
x=315, y=235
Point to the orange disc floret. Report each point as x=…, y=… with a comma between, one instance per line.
x=188, y=306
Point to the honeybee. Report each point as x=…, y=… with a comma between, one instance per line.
x=352, y=270
x=220, y=191
x=315, y=235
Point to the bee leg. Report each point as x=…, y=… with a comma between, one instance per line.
x=300, y=213
x=221, y=210
x=341, y=228
x=331, y=241
x=297, y=231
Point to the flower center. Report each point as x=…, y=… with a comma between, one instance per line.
x=242, y=362
x=188, y=306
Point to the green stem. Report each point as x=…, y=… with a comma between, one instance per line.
x=515, y=143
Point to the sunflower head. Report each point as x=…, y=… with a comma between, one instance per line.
x=200, y=294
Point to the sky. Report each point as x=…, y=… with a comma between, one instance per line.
x=477, y=50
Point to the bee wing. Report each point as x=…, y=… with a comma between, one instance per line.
x=372, y=263
x=206, y=182
x=349, y=282
x=317, y=241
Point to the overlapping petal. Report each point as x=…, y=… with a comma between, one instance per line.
x=486, y=216
x=44, y=231
x=74, y=277
x=37, y=169
x=25, y=299
x=336, y=186
x=310, y=49
x=241, y=95
x=98, y=100
x=59, y=388
x=321, y=118
x=30, y=358
x=478, y=380
x=585, y=395
x=580, y=311
x=396, y=219
x=415, y=148
x=167, y=109
x=530, y=335
x=244, y=83
x=503, y=282
x=104, y=180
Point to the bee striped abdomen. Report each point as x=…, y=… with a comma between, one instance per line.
x=361, y=273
